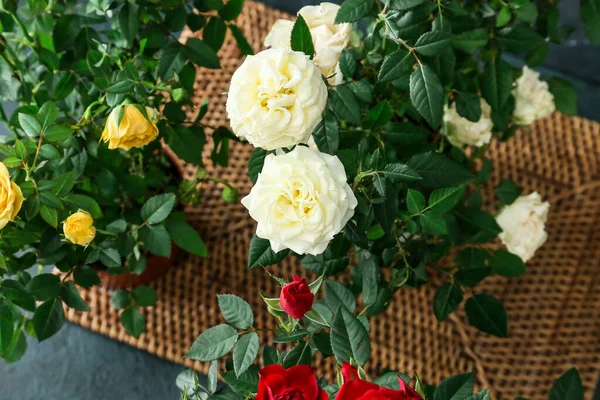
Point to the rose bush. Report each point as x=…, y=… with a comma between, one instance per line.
x=289, y=375
x=417, y=104
x=90, y=92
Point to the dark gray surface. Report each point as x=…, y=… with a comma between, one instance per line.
x=77, y=364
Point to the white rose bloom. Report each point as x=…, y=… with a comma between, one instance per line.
x=523, y=225
x=301, y=200
x=533, y=100
x=276, y=99
x=329, y=39
x=462, y=132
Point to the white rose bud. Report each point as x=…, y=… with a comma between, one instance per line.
x=276, y=99
x=533, y=100
x=301, y=200
x=462, y=132
x=523, y=225
x=329, y=39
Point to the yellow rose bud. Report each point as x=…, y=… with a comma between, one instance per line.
x=79, y=228
x=11, y=198
x=133, y=131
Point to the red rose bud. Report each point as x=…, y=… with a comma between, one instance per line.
x=357, y=389
x=297, y=383
x=296, y=299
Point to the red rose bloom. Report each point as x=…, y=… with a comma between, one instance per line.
x=297, y=383
x=295, y=298
x=357, y=389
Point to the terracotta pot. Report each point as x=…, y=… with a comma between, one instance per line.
x=156, y=268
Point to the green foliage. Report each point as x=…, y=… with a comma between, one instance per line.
x=69, y=66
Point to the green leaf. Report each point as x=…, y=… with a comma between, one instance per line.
x=447, y=299
x=157, y=240
x=487, y=314
x=299, y=355
x=6, y=328
x=471, y=41
x=17, y=293
x=301, y=37
x=158, y=208
x=121, y=87
x=326, y=134
x=434, y=224
x=496, y=83
x=236, y=311
x=255, y=163
x=50, y=199
x=213, y=373
x=48, y=318
x=184, y=142
x=86, y=276
x=344, y=104
x=378, y=116
x=133, y=321
x=241, y=41
x=119, y=226
x=57, y=133
x=415, y=201
x=337, y=295
x=444, y=199
x=349, y=338
x=427, y=94
x=120, y=299
x=519, y=39
x=47, y=113
x=527, y=13
x=567, y=387
x=144, y=296
x=369, y=268
x=214, y=33
x=270, y=355
x=504, y=17
x=432, y=43
x=397, y=65
x=85, y=203
x=44, y=286
x=186, y=237
x=245, y=352
x=468, y=105
x=171, y=61
x=261, y=254
x=353, y=10
x=507, y=264
x=507, y=191
x=213, y=343
x=110, y=258
x=72, y=298
x=63, y=184
x=404, y=4
x=332, y=261
x=590, y=15
x=232, y=9
x=128, y=22
x=437, y=170
x=483, y=395
x=50, y=215
x=397, y=172
x=455, y=387
x=29, y=124
x=485, y=172
x=347, y=63
x=65, y=86
x=201, y=53
x=565, y=96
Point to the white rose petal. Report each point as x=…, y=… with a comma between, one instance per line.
x=276, y=99
x=462, y=132
x=523, y=225
x=301, y=200
x=533, y=100
x=329, y=39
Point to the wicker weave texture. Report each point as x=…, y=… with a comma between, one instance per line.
x=554, y=311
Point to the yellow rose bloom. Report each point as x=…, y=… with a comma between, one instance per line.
x=79, y=228
x=11, y=197
x=133, y=131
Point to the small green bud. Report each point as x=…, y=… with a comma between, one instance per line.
x=230, y=194
x=201, y=173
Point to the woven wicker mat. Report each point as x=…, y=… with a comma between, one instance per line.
x=554, y=310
